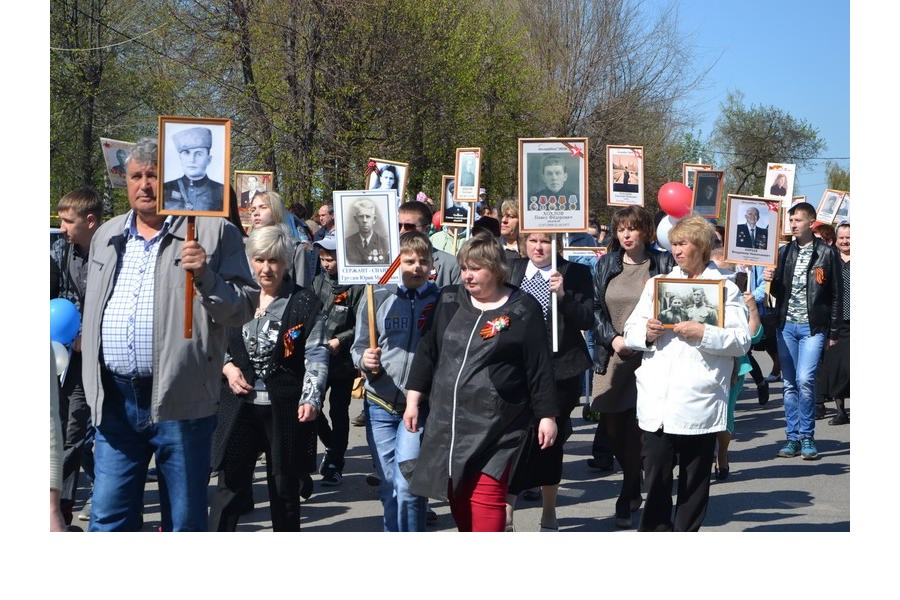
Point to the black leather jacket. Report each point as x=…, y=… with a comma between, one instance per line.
x=609, y=266
x=823, y=287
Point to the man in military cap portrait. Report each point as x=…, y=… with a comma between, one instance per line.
x=194, y=190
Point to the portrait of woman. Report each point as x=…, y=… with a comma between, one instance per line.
x=779, y=187
x=388, y=179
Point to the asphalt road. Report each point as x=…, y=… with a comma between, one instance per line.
x=763, y=492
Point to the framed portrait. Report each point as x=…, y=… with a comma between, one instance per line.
x=248, y=184
x=553, y=184
x=387, y=175
x=194, y=163
x=625, y=175
x=689, y=170
x=114, y=154
x=677, y=300
x=785, y=217
x=752, y=230
x=467, y=174
x=707, y=192
x=454, y=213
x=843, y=213
x=829, y=205
x=366, y=233
x=779, y=181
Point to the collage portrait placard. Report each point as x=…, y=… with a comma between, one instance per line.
x=553, y=184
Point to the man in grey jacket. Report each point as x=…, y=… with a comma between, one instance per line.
x=152, y=389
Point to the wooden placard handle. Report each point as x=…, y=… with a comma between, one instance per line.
x=370, y=306
x=189, y=289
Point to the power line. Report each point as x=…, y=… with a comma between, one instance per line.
x=107, y=47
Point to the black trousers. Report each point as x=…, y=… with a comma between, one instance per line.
x=77, y=429
x=625, y=436
x=336, y=436
x=275, y=430
x=694, y=455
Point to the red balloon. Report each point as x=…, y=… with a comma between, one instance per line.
x=436, y=220
x=675, y=199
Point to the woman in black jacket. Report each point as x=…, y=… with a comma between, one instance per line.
x=485, y=366
x=618, y=283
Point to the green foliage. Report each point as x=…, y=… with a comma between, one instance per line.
x=837, y=176
x=751, y=137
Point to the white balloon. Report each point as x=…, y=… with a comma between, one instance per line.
x=60, y=356
x=662, y=231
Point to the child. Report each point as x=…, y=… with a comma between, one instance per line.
x=402, y=315
x=339, y=303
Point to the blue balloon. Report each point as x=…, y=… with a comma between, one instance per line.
x=64, y=321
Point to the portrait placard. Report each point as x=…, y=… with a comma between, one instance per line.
x=689, y=171
x=467, y=175
x=592, y=252
x=843, y=213
x=829, y=205
x=678, y=300
x=707, y=192
x=752, y=230
x=194, y=163
x=114, y=154
x=785, y=216
x=625, y=175
x=248, y=184
x=779, y=181
x=454, y=213
x=384, y=174
x=553, y=184
x=366, y=233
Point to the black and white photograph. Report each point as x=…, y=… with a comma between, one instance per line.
x=384, y=174
x=689, y=172
x=453, y=212
x=467, y=174
x=779, y=181
x=114, y=154
x=829, y=205
x=625, y=175
x=553, y=186
x=700, y=300
x=367, y=234
x=194, y=164
x=752, y=230
x=707, y=192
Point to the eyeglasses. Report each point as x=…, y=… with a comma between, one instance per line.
x=408, y=227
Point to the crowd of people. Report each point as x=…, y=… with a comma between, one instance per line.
x=470, y=367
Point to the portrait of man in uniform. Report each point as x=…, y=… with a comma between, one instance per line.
x=194, y=190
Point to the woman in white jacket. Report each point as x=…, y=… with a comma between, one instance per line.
x=683, y=384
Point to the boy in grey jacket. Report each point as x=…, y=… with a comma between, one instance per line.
x=402, y=315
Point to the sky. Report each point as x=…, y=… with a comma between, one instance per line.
x=791, y=54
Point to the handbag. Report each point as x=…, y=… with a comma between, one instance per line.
x=358, y=391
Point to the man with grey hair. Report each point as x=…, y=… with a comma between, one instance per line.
x=367, y=246
x=749, y=235
x=153, y=387
x=194, y=190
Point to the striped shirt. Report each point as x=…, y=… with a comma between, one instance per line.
x=797, y=311
x=127, y=330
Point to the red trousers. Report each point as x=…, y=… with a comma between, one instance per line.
x=480, y=504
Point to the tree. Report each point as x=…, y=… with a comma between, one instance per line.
x=751, y=137
x=838, y=177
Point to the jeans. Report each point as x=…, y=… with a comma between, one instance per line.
x=124, y=442
x=799, y=353
x=391, y=444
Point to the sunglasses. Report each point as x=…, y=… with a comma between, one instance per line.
x=408, y=227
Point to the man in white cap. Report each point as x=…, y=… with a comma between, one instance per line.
x=193, y=190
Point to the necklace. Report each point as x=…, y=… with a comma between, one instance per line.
x=628, y=261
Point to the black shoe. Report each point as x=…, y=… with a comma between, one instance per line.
x=763, y=391
x=820, y=411
x=306, y=487
x=430, y=517
x=360, y=419
x=600, y=464
x=373, y=479
x=332, y=476
x=722, y=473
x=839, y=419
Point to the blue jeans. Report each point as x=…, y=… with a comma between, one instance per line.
x=799, y=353
x=391, y=444
x=124, y=442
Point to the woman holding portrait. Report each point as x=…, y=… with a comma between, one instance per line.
x=683, y=384
x=485, y=369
